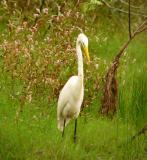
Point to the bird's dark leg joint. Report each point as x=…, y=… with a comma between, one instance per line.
x=74, y=138
x=63, y=128
x=75, y=131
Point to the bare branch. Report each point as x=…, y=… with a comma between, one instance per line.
x=129, y=18
x=123, y=11
x=132, y=6
x=140, y=30
x=142, y=27
x=142, y=131
x=143, y=24
x=110, y=95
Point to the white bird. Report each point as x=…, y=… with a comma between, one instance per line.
x=71, y=95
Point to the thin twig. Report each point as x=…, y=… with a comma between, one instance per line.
x=123, y=11
x=139, y=29
x=142, y=131
x=142, y=27
x=132, y=6
x=129, y=19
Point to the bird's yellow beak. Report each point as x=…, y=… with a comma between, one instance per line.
x=86, y=53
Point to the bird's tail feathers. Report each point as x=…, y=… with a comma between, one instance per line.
x=61, y=124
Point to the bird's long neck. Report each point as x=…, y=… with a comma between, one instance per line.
x=80, y=61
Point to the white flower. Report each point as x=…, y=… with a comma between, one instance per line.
x=45, y=11
x=36, y=15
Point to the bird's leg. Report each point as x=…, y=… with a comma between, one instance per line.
x=63, y=128
x=75, y=131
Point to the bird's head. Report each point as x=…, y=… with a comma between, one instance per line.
x=83, y=41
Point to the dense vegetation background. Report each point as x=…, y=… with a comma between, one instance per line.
x=37, y=56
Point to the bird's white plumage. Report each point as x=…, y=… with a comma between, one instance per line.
x=70, y=100
x=71, y=96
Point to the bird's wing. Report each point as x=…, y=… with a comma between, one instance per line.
x=66, y=93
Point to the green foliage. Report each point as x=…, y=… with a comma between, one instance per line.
x=91, y=5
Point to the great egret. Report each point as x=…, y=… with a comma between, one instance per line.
x=71, y=95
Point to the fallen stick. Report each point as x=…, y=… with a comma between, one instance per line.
x=142, y=131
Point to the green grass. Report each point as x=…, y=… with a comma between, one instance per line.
x=35, y=135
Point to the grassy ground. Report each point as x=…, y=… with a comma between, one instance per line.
x=34, y=136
